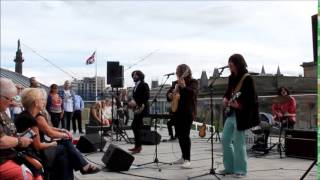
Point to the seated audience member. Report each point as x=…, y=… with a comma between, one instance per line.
x=107, y=111
x=284, y=108
x=10, y=167
x=67, y=157
x=17, y=107
x=95, y=116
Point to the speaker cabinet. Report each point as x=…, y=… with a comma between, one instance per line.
x=117, y=80
x=150, y=137
x=301, y=144
x=117, y=159
x=90, y=143
x=112, y=67
x=115, y=74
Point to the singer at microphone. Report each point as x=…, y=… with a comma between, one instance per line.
x=169, y=74
x=227, y=66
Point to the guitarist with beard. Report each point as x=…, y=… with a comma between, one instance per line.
x=241, y=98
x=183, y=95
x=140, y=106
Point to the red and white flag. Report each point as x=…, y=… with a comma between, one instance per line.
x=91, y=59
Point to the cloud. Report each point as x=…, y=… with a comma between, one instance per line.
x=202, y=34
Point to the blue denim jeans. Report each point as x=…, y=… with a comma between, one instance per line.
x=234, y=147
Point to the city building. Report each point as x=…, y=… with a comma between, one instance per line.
x=86, y=87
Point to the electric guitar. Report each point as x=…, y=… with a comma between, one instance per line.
x=202, y=130
x=228, y=111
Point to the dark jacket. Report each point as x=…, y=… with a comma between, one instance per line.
x=248, y=115
x=187, y=106
x=141, y=95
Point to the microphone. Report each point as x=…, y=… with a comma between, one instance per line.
x=169, y=74
x=224, y=67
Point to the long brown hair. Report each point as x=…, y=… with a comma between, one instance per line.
x=240, y=64
x=184, y=70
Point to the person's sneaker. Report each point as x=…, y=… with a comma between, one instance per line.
x=224, y=172
x=186, y=165
x=179, y=161
x=239, y=175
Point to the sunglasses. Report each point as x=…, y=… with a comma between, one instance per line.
x=8, y=99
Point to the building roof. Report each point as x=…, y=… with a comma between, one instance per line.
x=18, y=78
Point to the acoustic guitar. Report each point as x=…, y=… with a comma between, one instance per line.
x=176, y=93
x=202, y=130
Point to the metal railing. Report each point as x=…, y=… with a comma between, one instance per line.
x=306, y=111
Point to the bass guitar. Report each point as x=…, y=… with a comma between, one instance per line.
x=135, y=108
x=228, y=111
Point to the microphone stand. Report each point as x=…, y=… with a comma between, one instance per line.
x=154, y=101
x=212, y=170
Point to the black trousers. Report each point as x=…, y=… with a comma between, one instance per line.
x=136, y=126
x=67, y=119
x=55, y=119
x=183, y=126
x=69, y=159
x=77, y=117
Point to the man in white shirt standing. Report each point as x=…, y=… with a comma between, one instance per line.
x=68, y=98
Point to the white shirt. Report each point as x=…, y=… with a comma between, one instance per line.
x=136, y=85
x=67, y=101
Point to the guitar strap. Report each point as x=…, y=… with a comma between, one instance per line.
x=239, y=85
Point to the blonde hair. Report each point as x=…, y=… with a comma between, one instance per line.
x=30, y=95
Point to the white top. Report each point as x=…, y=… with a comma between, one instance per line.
x=67, y=101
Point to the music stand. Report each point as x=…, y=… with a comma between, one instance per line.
x=212, y=170
x=154, y=101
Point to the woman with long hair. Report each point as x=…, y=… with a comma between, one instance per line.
x=67, y=158
x=241, y=98
x=186, y=88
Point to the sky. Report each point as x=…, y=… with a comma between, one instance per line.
x=155, y=36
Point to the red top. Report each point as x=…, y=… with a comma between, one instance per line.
x=285, y=110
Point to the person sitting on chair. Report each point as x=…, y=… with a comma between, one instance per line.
x=10, y=167
x=67, y=158
x=106, y=107
x=95, y=115
x=284, y=108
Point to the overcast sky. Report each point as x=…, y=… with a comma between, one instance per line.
x=201, y=34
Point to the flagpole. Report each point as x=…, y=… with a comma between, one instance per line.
x=96, y=76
